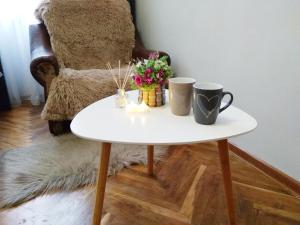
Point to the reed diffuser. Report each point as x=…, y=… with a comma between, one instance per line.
x=121, y=96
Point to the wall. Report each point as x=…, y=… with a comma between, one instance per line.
x=252, y=47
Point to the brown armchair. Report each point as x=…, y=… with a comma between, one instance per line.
x=44, y=65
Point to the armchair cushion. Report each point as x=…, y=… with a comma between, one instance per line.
x=73, y=90
x=87, y=34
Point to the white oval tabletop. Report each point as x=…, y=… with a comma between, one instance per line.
x=103, y=121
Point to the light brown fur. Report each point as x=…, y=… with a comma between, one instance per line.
x=85, y=35
x=73, y=90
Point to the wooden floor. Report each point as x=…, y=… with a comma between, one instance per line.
x=187, y=188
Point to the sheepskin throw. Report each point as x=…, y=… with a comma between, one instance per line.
x=86, y=34
x=62, y=163
x=73, y=90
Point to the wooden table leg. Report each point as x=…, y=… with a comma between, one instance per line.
x=101, y=183
x=150, y=159
x=225, y=164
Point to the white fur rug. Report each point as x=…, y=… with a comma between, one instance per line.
x=62, y=163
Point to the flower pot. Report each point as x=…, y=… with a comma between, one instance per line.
x=154, y=97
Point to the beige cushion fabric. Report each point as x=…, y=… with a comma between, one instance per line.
x=73, y=90
x=87, y=34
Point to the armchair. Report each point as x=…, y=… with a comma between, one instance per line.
x=45, y=67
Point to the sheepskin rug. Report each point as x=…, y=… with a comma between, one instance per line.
x=62, y=163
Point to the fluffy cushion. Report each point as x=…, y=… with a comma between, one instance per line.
x=73, y=90
x=87, y=34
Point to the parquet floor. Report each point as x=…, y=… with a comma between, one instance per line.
x=187, y=188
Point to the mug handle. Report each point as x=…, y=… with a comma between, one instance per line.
x=230, y=101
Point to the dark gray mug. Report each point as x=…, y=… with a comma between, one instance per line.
x=207, y=98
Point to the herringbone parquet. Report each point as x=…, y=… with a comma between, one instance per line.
x=187, y=188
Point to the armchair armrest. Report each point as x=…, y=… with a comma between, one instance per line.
x=140, y=52
x=44, y=66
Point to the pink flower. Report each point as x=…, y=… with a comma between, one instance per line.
x=148, y=71
x=153, y=55
x=138, y=80
x=160, y=74
x=149, y=80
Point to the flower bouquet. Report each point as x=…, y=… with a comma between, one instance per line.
x=150, y=77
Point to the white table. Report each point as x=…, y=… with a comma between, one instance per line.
x=102, y=121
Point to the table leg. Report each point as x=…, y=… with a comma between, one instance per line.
x=150, y=159
x=101, y=183
x=225, y=165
